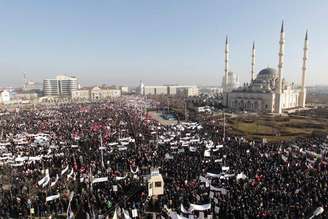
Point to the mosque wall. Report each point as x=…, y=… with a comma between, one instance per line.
x=253, y=102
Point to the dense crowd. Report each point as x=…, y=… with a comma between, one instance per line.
x=93, y=160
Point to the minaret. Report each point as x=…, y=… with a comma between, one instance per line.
x=25, y=82
x=253, y=63
x=280, y=66
x=226, y=65
x=304, y=67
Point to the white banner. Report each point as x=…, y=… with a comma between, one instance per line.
x=193, y=149
x=53, y=197
x=70, y=174
x=214, y=175
x=222, y=190
x=44, y=178
x=64, y=170
x=122, y=148
x=126, y=214
x=200, y=207
x=21, y=159
x=241, y=176
x=181, y=217
x=37, y=158
x=225, y=176
x=203, y=179
x=185, y=211
x=98, y=180
x=54, y=183
x=134, y=172
x=17, y=164
x=46, y=181
x=134, y=213
x=120, y=177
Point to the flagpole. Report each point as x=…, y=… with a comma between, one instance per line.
x=224, y=131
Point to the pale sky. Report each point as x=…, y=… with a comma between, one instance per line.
x=159, y=42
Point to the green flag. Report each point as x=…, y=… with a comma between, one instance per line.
x=109, y=204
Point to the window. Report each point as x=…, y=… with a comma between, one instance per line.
x=158, y=184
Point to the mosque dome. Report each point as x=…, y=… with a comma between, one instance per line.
x=268, y=72
x=265, y=80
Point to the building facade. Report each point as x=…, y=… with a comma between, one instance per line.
x=4, y=97
x=81, y=94
x=124, y=89
x=26, y=95
x=183, y=90
x=95, y=93
x=61, y=86
x=50, y=87
x=155, y=90
x=267, y=91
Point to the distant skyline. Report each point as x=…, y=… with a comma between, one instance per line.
x=158, y=42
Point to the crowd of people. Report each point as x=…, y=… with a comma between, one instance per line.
x=94, y=160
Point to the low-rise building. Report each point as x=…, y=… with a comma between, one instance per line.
x=95, y=93
x=4, y=97
x=211, y=90
x=81, y=94
x=27, y=94
x=124, y=89
x=183, y=90
x=155, y=90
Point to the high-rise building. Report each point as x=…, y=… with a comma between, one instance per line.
x=50, y=87
x=61, y=86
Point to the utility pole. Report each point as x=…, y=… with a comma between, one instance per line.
x=186, y=111
x=101, y=151
x=224, y=134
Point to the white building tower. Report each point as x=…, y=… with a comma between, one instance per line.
x=141, y=88
x=304, y=67
x=253, y=63
x=280, y=67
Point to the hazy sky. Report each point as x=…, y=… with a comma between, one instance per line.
x=157, y=41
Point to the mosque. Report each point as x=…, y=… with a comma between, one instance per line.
x=268, y=91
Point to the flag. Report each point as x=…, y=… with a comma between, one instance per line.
x=109, y=204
